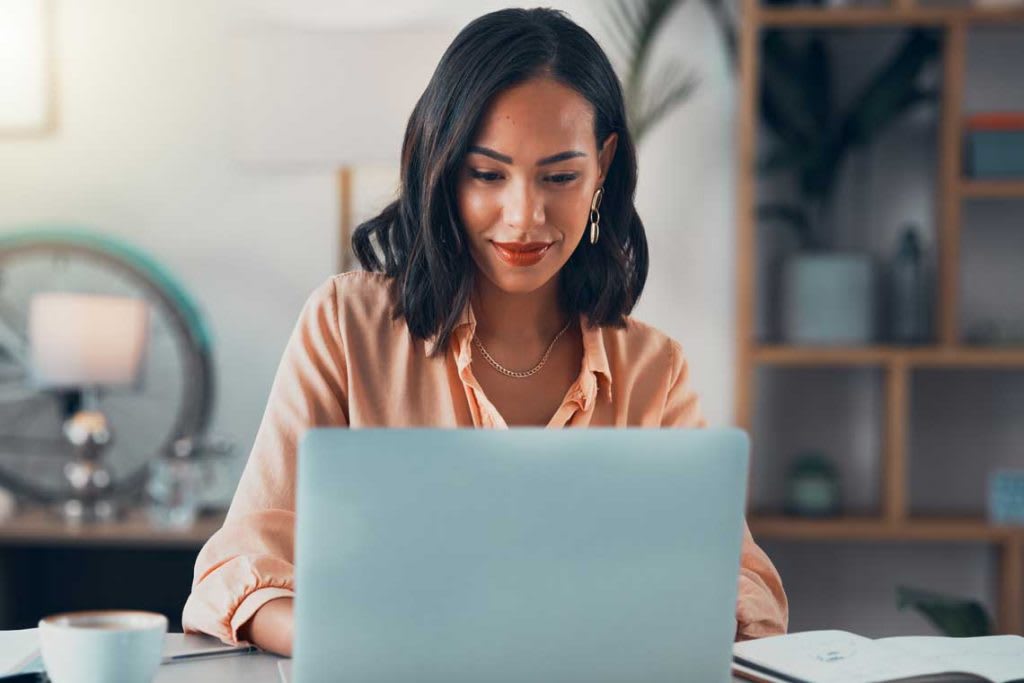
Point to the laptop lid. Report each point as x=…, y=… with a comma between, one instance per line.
x=520, y=555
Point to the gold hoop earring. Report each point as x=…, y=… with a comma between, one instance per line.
x=595, y=216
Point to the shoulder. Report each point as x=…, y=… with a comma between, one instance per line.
x=354, y=296
x=651, y=364
x=356, y=299
x=639, y=343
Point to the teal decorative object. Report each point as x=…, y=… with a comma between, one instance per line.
x=1006, y=497
x=812, y=487
x=173, y=398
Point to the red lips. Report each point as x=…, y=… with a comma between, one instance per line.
x=521, y=254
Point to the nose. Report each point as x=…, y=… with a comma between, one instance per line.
x=523, y=206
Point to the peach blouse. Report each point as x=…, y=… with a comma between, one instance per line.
x=348, y=363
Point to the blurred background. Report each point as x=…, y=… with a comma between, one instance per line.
x=833, y=195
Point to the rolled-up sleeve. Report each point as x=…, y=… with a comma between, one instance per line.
x=762, y=608
x=250, y=560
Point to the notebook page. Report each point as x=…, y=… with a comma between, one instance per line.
x=17, y=650
x=999, y=658
x=833, y=657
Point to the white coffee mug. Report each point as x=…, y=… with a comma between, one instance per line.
x=105, y=646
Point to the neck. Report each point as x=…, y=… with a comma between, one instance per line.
x=517, y=319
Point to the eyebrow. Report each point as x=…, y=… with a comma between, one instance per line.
x=505, y=159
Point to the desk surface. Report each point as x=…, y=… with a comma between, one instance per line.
x=255, y=668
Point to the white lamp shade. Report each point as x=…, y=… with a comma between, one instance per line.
x=81, y=340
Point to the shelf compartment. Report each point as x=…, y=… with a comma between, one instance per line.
x=838, y=413
x=962, y=427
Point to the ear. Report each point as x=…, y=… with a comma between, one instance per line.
x=607, y=153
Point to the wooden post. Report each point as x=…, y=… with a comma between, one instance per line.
x=345, y=219
x=950, y=171
x=746, y=189
x=1011, y=586
x=897, y=416
x=746, y=136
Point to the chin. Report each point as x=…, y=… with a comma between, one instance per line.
x=518, y=283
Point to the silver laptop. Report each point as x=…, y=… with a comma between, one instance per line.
x=519, y=556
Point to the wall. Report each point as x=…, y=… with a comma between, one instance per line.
x=145, y=150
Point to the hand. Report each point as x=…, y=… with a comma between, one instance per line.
x=270, y=628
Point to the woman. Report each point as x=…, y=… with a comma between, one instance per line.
x=497, y=295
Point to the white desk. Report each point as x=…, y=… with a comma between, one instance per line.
x=254, y=668
x=247, y=668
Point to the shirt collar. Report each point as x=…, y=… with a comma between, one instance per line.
x=595, y=358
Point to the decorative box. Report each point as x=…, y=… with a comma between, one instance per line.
x=995, y=145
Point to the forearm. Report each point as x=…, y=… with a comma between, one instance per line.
x=270, y=628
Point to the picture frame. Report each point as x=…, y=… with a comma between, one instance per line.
x=28, y=92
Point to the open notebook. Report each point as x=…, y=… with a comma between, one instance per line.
x=19, y=650
x=841, y=657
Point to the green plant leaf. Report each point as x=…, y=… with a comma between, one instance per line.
x=634, y=26
x=887, y=96
x=782, y=158
x=669, y=88
x=726, y=23
x=784, y=92
x=956, y=617
x=792, y=216
x=818, y=78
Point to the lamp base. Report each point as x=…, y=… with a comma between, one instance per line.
x=76, y=511
x=91, y=484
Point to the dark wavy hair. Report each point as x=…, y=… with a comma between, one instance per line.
x=419, y=241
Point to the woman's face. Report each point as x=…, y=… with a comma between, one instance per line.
x=526, y=185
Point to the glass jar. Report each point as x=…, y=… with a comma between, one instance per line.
x=178, y=480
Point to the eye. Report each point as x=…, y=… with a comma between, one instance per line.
x=562, y=178
x=486, y=176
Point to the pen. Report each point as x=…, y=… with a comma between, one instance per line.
x=208, y=654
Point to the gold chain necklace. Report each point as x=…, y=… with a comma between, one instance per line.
x=526, y=373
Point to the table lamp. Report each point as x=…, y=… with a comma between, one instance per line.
x=84, y=343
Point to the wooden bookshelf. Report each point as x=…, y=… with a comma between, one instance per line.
x=894, y=521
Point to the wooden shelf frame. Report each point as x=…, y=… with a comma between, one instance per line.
x=950, y=529
x=966, y=357
x=894, y=521
x=971, y=188
x=896, y=16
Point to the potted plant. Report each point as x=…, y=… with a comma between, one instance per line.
x=828, y=295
